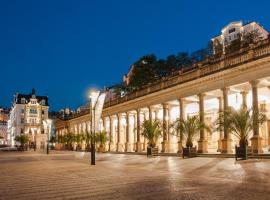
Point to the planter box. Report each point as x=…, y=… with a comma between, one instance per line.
x=242, y=152
x=152, y=151
x=189, y=152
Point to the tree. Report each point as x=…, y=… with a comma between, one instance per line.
x=240, y=122
x=143, y=72
x=217, y=47
x=251, y=37
x=183, y=60
x=201, y=54
x=190, y=127
x=234, y=45
x=23, y=140
x=151, y=130
x=101, y=139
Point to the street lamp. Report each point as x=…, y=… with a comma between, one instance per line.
x=94, y=95
x=47, y=124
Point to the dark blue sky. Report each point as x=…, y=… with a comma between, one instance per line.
x=62, y=48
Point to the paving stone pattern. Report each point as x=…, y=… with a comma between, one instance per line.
x=69, y=175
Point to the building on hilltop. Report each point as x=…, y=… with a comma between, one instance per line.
x=27, y=116
x=236, y=31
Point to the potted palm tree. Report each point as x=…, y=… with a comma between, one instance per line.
x=190, y=127
x=151, y=130
x=23, y=140
x=101, y=139
x=241, y=124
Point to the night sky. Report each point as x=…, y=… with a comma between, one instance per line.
x=62, y=48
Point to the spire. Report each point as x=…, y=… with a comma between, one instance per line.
x=33, y=91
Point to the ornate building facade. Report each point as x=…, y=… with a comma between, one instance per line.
x=237, y=30
x=27, y=116
x=205, y=89
x=3, y=125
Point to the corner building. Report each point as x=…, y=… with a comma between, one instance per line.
x=26, y=117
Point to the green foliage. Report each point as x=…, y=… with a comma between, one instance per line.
x=22, y=139
x=151, y=131
x=143, y=72
x=251, y=37
x=235, y=45
x=101, y=138
x=240, y=122
x=189, y=128
x=218, y=47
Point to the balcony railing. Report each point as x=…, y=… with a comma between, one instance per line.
x=208, y=66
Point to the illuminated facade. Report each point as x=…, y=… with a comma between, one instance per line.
x=210, y=86
x=26, y=117
x=234, y=30
x=3, y=125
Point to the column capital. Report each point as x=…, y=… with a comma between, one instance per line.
x=201, y=95
x=244, y=92
x=119, y=115
x=254, y=83
x=138, y=110
x=165, y=105
x=225, y=89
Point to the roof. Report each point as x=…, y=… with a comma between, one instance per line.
x=27, y=97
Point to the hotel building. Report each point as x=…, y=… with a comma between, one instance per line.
x=3, y=125
x=204, y=89
x=26, y=117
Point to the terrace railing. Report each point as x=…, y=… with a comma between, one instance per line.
x=209, y=66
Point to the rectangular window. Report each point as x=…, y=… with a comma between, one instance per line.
x=231, y=30
x=42, y=112
x=32, y=111
x=22, y=120
x=22, y=130
x=22, y=110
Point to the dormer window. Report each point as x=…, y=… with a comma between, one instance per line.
x=23, y=100
x=231, y=30
x=42, y=102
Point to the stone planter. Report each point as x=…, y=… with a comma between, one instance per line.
x=101, y=149
x=242, y=152
x=189, y=152
x=152, y=151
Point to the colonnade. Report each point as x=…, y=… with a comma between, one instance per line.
x=124, y=129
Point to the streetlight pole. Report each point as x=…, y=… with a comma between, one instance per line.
x=94, y=97
x=93, y=159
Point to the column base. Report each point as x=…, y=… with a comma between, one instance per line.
x=128, y=147
x=226, y=146
x=256, y=143
x=180, y=147
x=165, y=146
x=119, y=147
x=111, y=147
x=219, y=145
x=138, y=147
x=202, y=146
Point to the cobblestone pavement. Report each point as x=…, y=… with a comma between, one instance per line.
x=68, y=175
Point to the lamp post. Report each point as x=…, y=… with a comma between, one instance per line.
x=94, y=95
x=47, y=124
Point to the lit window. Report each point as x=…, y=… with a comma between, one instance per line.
x=33, y=111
